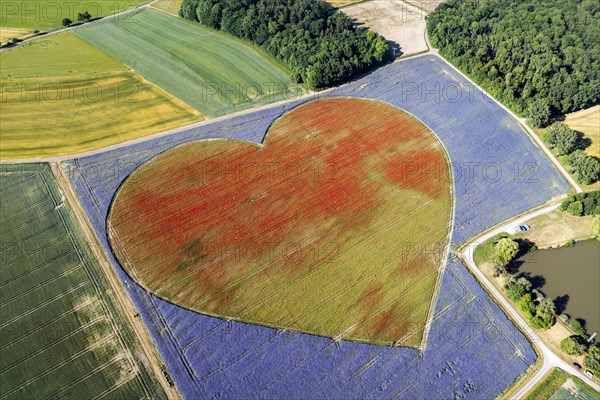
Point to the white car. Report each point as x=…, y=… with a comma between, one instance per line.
x=588, y=373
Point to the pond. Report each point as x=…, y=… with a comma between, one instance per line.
x=570, y=276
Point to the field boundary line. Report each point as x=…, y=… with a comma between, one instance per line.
x=439, y=270
x=107, y=313
x=170, y=132
x=123, y=303
x=69, y=28
x=532, y=136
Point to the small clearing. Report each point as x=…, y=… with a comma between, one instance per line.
x=402, y=24
x=587, y=122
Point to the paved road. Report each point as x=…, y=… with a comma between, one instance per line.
x=68, y=28
x=549, y=358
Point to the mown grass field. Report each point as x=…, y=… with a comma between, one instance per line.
x=587, y=122
x=213, y=72
x=558, y=385
x=551, y=229
x=337, y=226
x=9, y=33
x=60, y=334
x=400, y=23
x=76, y=100
x=48, y=15
x=170, y=6
x=342, y=3
x=556, y=228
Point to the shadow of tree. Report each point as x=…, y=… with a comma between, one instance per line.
x=561, y=303
x=582, y=141
x=583, y=323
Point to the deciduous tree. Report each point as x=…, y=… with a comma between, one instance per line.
x=572, y=347
x=506, y=250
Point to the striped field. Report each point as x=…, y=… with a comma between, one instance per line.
x=587, y=122
x=77, y=100
x=60, y=334
x=48, y=15
x=213, y=72
x=337, y=226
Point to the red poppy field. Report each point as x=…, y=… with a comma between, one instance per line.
x=337, y=225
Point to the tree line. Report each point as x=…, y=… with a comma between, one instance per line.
x=582, y=203
x=320, y=46
x=569, y=147
x=539, y=310
x=539, y=57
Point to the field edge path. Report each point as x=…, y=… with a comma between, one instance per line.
x=534, y=138
x=549, y=358
x=123, y=302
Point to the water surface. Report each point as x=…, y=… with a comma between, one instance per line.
x=571, y=274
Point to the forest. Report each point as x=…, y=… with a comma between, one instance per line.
x=540, y=57
x=319, y=46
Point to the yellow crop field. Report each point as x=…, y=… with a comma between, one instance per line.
x=8, y=33
x=78, y=100
x=170, y=6
x=587, y=122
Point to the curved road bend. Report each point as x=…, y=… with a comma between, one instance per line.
x=550, y=359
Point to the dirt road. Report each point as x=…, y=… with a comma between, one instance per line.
x=123, y=303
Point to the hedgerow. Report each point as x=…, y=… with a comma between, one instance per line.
x=582, y=203
x=318, y=46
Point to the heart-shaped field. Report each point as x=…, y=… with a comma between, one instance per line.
x=336, y=226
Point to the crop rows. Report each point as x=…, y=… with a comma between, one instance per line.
x=32, y=14
x=58, y=333
x=210, y=357
x=77, y=100
x=211, y=71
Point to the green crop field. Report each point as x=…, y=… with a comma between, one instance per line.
x=48, y=15
x=60, y=334
x=78, y=99
x=64, y=55
x=558, y=385
x=211, y=71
